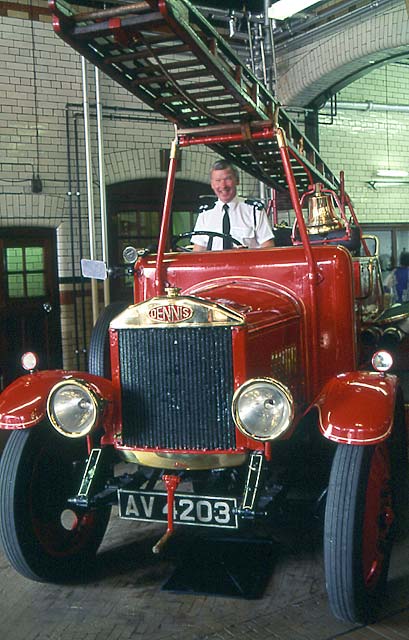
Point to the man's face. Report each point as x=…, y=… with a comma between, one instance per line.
x=223, y=183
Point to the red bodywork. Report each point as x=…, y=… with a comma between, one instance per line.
x=306, y=300
x=23, y=404
x=354, y=406
x=239, y=385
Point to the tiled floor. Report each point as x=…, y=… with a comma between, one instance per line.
x=124, y=599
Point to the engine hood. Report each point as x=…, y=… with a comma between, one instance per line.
x=258, y=301
x=244, y=301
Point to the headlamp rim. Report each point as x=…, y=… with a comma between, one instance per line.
x=277, y=383
x=96, y=401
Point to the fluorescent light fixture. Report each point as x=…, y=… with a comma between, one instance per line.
x=380, y=184
x=285, y=8
x=392, y=173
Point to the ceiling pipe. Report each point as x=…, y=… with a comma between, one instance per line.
x=371, y=106
x=301, y=28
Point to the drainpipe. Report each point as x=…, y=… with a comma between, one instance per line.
x=71, y=219
x=102, y=195
x=90, y=188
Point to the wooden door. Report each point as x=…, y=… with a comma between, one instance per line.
x=29, y=300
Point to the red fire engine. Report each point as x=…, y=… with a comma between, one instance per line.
x=238, y=379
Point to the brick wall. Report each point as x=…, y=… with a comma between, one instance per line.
x=133, y=137
x=373, y=37
x=360, y=142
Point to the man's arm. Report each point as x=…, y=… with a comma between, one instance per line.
x=198, y=247
x=268, y=244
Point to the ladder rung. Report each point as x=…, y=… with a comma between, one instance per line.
x=139, y=44
x=127, y=57
x=163, y=78
x=188, y=64
x=179, y=48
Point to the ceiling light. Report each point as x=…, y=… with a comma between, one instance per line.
x=392, y=173
x=285, y=8
x=376, y=184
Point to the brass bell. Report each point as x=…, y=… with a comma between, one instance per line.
x=321, y=214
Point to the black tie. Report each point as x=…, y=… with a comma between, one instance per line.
x=227, y=243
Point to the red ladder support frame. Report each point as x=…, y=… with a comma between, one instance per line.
x=186, y=138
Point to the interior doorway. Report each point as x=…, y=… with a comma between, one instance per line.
x=134, y=217
x=29, y=300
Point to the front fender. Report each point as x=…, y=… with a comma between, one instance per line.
x=357, y=407
x=23, y=403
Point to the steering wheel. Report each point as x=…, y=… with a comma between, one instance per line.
x=210, y=234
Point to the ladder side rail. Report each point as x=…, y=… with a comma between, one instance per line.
x=112, y=71
x=222, y=62
x=293, y=133
x=181, y=24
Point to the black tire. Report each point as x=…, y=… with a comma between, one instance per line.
x=39, y=470
x=358, y=530
x=400, y=470
x=98, y=352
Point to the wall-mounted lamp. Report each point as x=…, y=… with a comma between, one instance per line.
x=285, y=8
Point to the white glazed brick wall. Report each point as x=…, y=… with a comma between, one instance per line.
x=131, y=149
x=307, y=72
x=358, y=143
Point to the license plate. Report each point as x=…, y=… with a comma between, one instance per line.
x=204, y=511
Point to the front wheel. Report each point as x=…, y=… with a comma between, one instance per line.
x=358, y=528
x=42, y=537
x=99, y=362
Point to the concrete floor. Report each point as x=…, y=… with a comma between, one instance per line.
x=124, y=598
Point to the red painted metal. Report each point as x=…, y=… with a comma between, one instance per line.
x=23, y=403
x=357, y=407
x=313, y=275
x=293, y=314
x=171, y=483
x=303, y=165
x=379, y=516
x=159, y=279
x=226, y=138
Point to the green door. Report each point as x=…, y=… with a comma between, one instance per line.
x=29, y=300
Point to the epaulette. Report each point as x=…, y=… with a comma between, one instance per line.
x=207, y=203
x=257, y=204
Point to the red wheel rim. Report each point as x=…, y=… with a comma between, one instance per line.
x=378, y=517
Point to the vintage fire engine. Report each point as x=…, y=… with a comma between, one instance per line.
x=239, y=381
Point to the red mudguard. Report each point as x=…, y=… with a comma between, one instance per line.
x=357, y=407
x=23, y=403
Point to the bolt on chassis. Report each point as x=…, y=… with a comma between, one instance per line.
x=237, y=387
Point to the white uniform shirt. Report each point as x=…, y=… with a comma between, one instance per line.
x=248, y=224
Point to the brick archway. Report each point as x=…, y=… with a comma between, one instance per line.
x=324, y=67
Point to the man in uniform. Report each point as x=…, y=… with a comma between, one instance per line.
x=244, y=220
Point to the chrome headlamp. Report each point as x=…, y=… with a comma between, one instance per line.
x=73, y=408
x=263, y=408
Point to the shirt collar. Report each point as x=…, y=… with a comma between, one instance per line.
x=232, y=204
